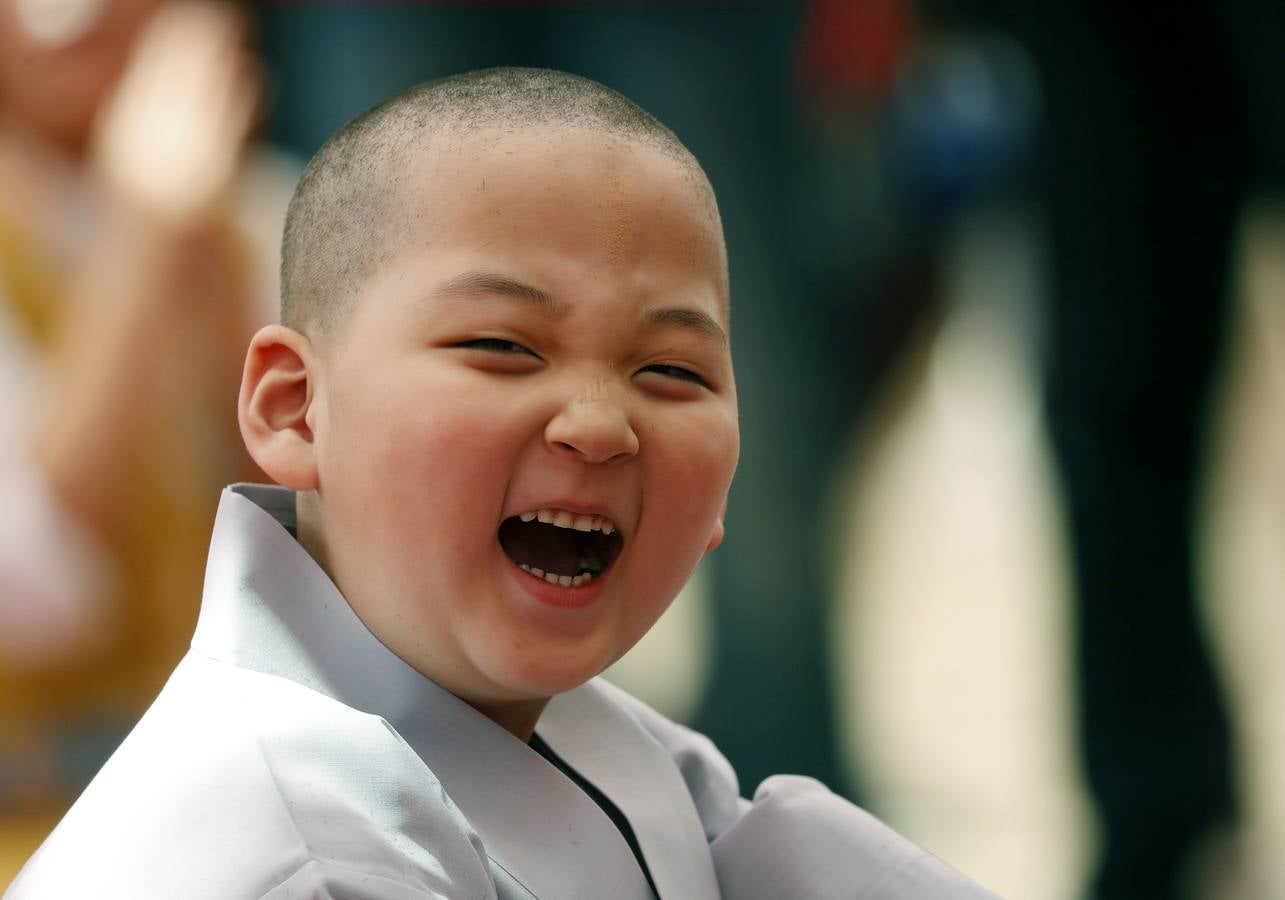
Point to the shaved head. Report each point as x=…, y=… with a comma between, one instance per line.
x=346, y=216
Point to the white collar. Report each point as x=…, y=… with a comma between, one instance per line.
x=269, y=607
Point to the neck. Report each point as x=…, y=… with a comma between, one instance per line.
x=517, y=717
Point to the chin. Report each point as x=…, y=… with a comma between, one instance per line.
x=541, y=678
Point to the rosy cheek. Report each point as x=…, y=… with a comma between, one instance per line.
x=702, y=460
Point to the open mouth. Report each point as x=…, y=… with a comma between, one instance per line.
x=559, y=546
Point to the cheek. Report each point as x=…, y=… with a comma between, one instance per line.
x=423, y=468
x=686, y=487
x=693, y=468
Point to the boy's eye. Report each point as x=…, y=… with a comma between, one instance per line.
x=495, y=345
x=677, y=372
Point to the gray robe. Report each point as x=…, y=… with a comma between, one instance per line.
x=292, y=755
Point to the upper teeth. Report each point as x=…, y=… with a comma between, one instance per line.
x=564, y=519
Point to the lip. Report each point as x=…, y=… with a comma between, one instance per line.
x=557, y=596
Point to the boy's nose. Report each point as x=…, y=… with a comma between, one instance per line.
x=594, y=429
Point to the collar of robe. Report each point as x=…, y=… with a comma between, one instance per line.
x=269, y=607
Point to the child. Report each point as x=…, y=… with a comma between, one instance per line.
x=502, y=409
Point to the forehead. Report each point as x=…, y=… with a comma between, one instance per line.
x=565, y=205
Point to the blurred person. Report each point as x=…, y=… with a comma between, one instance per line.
x=129, y=279
x=1160, y=120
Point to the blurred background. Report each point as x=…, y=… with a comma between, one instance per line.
x=1005, y=557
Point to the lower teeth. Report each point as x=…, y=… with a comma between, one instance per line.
x=563, y=580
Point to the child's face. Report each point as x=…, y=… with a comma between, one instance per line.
x=551, y=336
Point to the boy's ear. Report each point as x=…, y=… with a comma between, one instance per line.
x=716, y=536
x=276, y=395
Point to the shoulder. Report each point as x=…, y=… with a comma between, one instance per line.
x=235, y=783
x=796, y=837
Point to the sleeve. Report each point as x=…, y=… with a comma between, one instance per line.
x=798, y=839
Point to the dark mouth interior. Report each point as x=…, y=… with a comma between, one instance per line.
x=562, y=551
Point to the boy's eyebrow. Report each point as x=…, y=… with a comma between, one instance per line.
x=472, y=283
x=688, y=318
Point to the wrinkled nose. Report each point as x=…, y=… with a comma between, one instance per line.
x=593, y=428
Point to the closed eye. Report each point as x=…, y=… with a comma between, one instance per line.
x=677, y=372
x=495, y=345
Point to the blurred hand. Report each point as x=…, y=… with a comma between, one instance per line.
x=168, y=141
